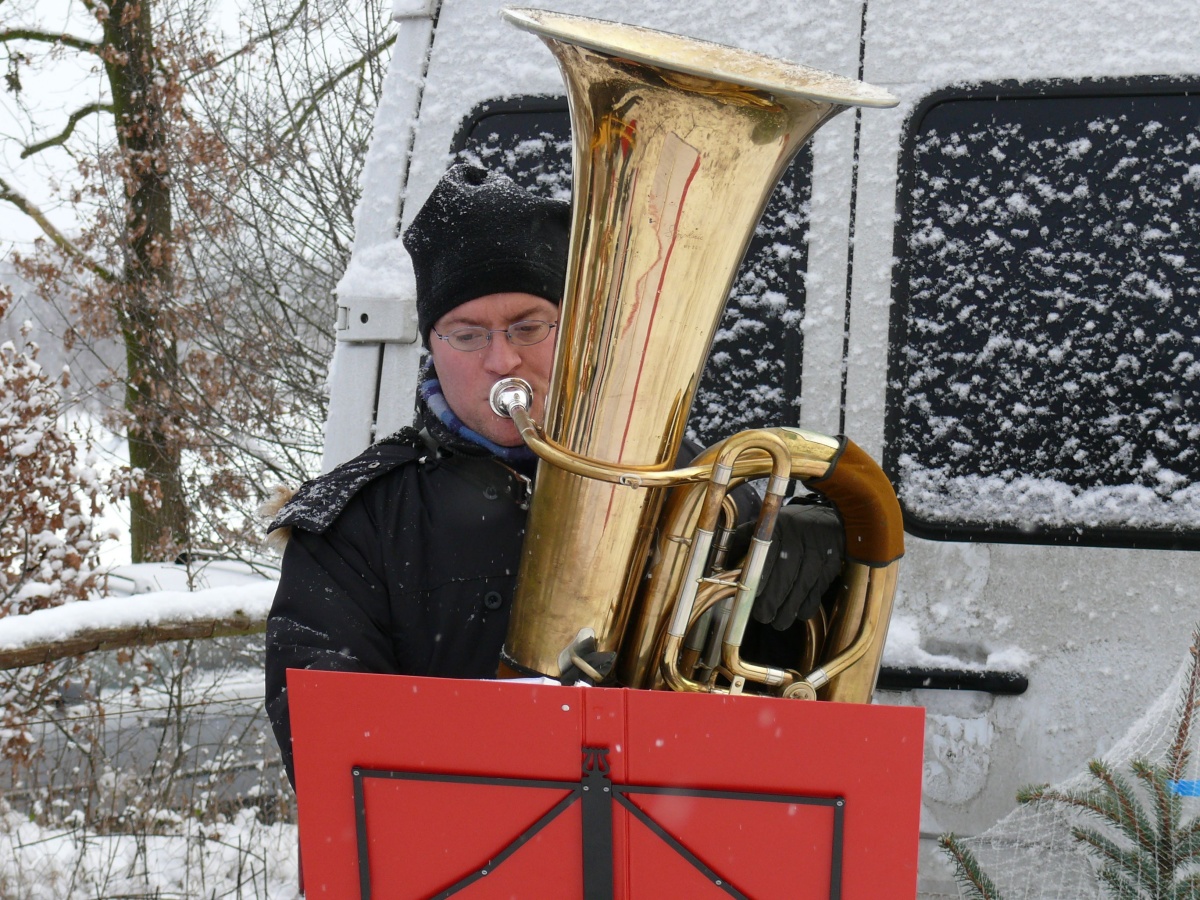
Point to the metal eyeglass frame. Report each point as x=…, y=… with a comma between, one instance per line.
x=479, y=330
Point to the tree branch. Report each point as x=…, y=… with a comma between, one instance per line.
x=325, y=87
x=110, y=623
x=48, y=37
x=25, y=205
x=89, y=640
x=269, y=35
x=68, y=130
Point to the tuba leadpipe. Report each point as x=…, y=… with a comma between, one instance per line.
x=677, y=147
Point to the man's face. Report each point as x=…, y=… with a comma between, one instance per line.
x=467, y=378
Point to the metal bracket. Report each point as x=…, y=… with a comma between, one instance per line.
x=596, y=793
x=413, y=9
x=596, y=803
x=374, y=320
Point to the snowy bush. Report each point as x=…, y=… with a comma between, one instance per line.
x=49, y=492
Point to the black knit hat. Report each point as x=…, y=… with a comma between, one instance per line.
x=479, y=233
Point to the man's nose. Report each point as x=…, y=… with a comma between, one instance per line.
x=500, y=356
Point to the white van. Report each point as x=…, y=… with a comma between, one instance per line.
x=994, y=289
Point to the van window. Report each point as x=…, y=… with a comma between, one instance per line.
x=753, y=374
x=1044, y=363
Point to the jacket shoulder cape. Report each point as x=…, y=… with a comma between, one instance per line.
x=318, y=502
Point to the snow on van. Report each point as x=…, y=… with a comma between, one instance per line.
x=993, y=288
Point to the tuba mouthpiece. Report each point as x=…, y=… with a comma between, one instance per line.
x=508, y=393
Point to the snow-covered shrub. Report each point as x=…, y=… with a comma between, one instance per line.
x=49, y=499
x=49, y=492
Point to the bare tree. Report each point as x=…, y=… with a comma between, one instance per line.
x=296, y=119
x=142, y=87
x=214, y=225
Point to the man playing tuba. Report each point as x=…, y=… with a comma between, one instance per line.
x=404, y=559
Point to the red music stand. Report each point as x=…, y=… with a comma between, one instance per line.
x=422, y=787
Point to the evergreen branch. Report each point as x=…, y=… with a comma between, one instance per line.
x=48, y=37
x=25, y=205
x=1160, y=847
x=327, y=86
x=1188, y=888
x=1033, y=793
x=1129, y=862
x=1089, y=800
x=1168, y=808
x=1187, y=846
x=1103, y=805
x=1122, y=890
x=967, y=871
x=1178, y=753
x=1125, y=812
x=1102, y=845
x=62, y=137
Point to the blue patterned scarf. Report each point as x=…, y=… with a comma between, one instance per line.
x=454, y=434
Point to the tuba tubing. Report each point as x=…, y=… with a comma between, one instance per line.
x=873, y=527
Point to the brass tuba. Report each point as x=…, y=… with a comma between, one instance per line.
x=677, y=146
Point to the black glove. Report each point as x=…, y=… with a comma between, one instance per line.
x=803, y=562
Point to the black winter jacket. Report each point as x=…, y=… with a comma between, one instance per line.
x=402, y=561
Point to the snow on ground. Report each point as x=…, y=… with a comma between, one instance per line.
x=246, y=850
x=238, y=858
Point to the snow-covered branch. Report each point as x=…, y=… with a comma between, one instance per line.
x=114, y=622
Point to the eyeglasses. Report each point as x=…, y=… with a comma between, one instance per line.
x=476, y=337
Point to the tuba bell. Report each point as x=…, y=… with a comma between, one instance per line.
x=677, y=146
